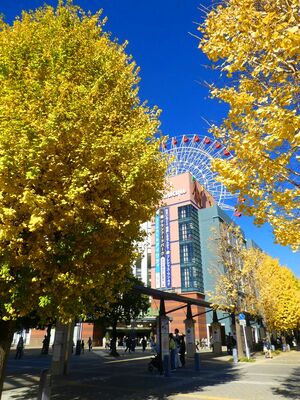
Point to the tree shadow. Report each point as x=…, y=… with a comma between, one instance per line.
x=127, y=378
x=23, y=375
x=138, y=384
x=26, y=393
x=290, y=388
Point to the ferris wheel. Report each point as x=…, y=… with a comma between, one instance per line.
x=194, y=154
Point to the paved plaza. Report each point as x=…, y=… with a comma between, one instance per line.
x=96, y=375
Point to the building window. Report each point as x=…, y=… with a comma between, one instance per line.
x=181, y=212
x=186, y=277
x=183, y=231
x=186, y=253
x=184, y=212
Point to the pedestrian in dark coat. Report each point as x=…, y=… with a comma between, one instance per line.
x=20, y=348
x=90, y=343
x=182, y=349
x=128, y=345
x=144, y=343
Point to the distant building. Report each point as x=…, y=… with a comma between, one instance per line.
x=182, y=253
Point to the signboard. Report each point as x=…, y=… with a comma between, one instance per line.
x=242, y=319
x=157, y=251
x=168, y=249
x=163, y=335
x=162, y=248
x=163, y=276
x=175, y=193
x=216, y=333
x=190, y=337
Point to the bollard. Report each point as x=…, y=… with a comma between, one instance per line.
x=166, y=365
x=235, y=355
x=248, y=353
x=197, y=361
x=44, y=386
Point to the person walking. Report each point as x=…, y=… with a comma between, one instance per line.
x=153, y=344
x=133, y=344
x=177, y=341
x=82, y=346
x=128, y=345
x=20, y=348
x=267, y=348
x=144, y=343
x=182, y=349
x=45, y=347
x=90, y=343
x=230, y=343
x=172, y=349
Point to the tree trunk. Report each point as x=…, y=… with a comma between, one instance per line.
x=113, y=342
x=239, y=341
x=63, y=343
x=297, y=337
x=7, y=329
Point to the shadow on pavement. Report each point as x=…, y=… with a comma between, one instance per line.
x=22, y=379
x=97, y=376
x=134, y=382
x=28, y=393
x=290, y=388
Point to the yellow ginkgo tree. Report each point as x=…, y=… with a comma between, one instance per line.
x=249, y=281
x=80, y=166
x=234, y=288
x=278, y=295
x=256, y=44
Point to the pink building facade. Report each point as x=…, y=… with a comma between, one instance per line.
x=175, y=246
x=166, y=268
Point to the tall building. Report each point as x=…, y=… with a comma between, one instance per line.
x=176, y=260
x=183, y=254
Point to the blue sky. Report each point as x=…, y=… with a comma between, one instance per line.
x=173, y=74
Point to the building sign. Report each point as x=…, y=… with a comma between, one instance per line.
x=174, y=193
x=162, y=336
x=162, y=248
x=163, y=277
x=168, y=248
x=157, y=251
x=190, y=335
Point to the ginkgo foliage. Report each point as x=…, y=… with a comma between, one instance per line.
x=248, y=280
x=233, y=289
x=228, y=245
x=256, y=43
x=278, y=299
x=80, y=166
